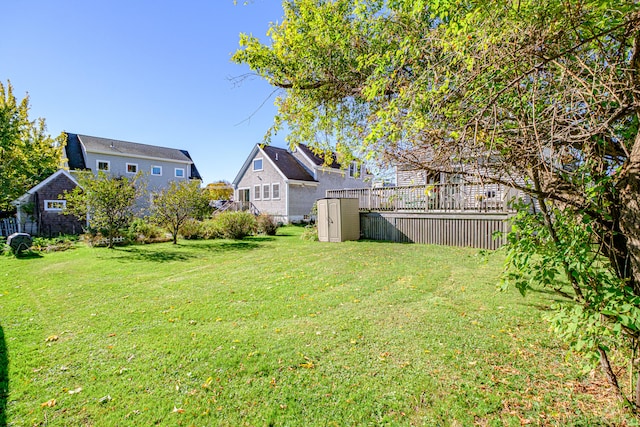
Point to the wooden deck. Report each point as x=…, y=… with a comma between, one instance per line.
x=432, y=198
x=443, y=214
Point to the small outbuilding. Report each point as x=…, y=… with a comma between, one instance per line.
x=40, y=211
x=338, y=220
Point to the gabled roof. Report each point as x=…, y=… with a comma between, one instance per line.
x=43, y=183
x=93, y=144
x=319, y=159
x=287, y=164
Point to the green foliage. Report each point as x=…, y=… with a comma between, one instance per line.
x=235, y=225
x=310, y=233
x=600, y=310
x=539, y=95
x=219, y=190
x=144, y=231
x=192, y=229
x=108, y=202
x=54, y=244
x=178, y=203
x=266, y=224
x=27, y=153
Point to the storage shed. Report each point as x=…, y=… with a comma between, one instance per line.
x=338, y=220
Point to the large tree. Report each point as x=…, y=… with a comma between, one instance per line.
x=539, y=95
x=27, y=153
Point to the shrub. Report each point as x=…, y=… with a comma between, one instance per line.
x=310, y=233
x=54, y=244
x=191, y=229
x=266, y=225
x=210, y=229
x=143, y=231
x=236, y=225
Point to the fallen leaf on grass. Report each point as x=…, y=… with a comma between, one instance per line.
x=51, y=338
x=178, y=410
x=105, y=399
x=207, y=383
x=77, y=390
x=48, y=404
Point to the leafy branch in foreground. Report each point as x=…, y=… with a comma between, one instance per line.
x=540, y=95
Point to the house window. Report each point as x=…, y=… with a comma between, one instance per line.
x=156, y=170
x=103, y=165
x=265, y=191
x=132, y=168
x=179, y=173
x=275, y=191
x=256, y=192
x=257, y=164
x=353, y=170
x=54, y=205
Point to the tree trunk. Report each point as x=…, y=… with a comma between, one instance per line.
x=630, y=212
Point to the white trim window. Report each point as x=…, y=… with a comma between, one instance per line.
x=265, y=192
x=132, y=168
x=179, y=172
x=55, y=205
x=353, y=170
x=275, y=191
x=257, y=164
x=156, y=170
x=256, y=192
x=103, y=165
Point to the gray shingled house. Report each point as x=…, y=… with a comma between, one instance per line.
x=40, y=210
x=161, y=165
x=286, y=184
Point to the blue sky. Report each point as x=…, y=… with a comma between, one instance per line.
x=154, y=72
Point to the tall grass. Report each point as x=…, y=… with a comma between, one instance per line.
x=281, y=331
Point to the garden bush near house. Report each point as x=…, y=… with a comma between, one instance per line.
x=192, y=229
x=54, y=244
x=266, y=224
x=210, y=229
x=143, y=231
x=236, y=225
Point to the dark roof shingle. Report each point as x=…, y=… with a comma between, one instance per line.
x=319, y=159
x=288, y=165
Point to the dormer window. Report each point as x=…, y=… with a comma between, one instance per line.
x=257, y=164
x=353, y=170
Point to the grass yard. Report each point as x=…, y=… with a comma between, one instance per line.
x=284, y=332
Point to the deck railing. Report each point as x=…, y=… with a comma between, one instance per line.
x=232, y=206
x=433, y=198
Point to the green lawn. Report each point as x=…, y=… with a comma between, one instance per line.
x=281, y=331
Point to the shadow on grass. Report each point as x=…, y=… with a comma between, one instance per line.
x=28, y=255
x=185, y=252
x=4, y=379
x=137, y=254
x=232, y=245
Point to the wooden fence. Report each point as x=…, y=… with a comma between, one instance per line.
x=467, y=229
x=8, y=226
